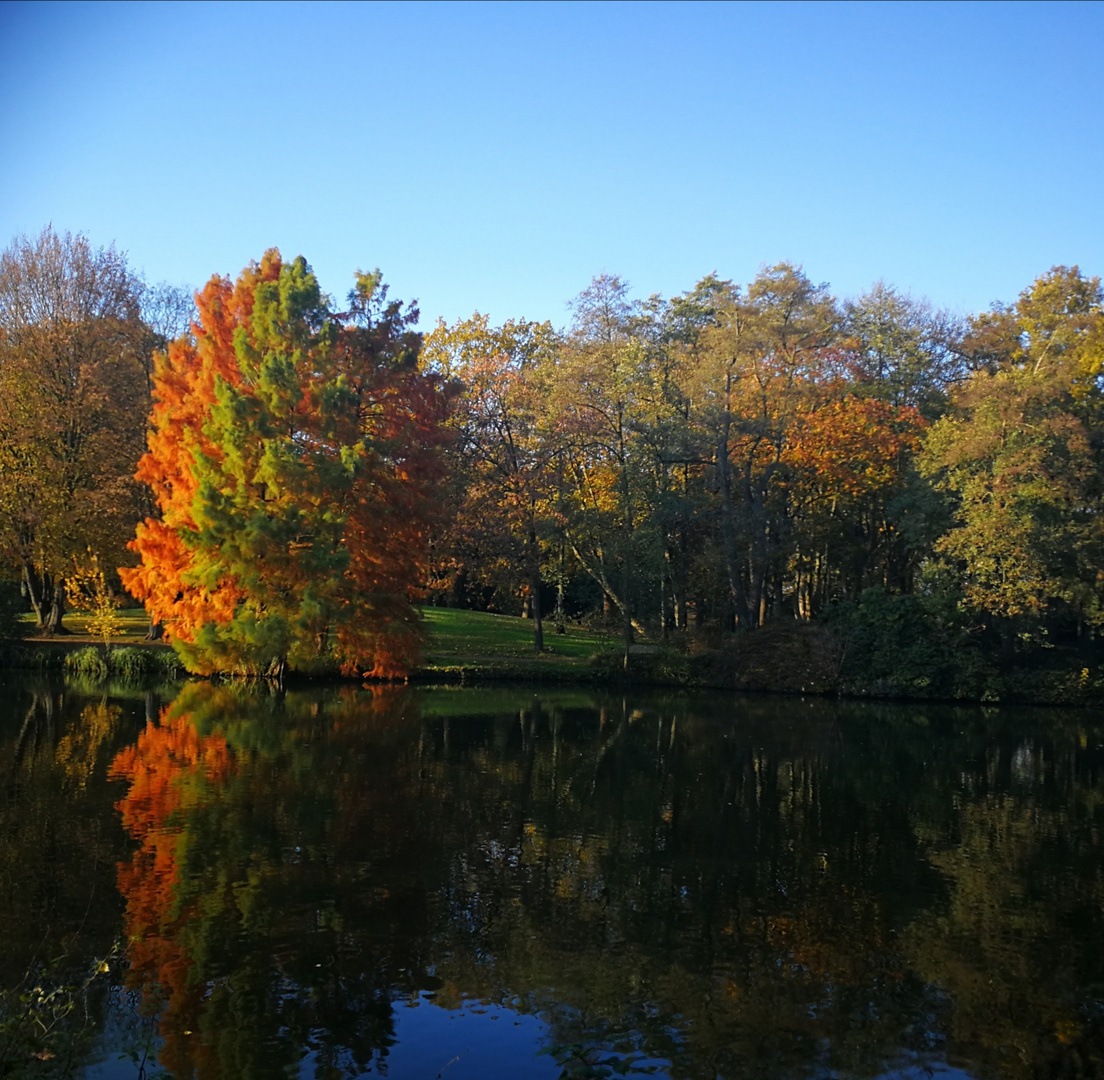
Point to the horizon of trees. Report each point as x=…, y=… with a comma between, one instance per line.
x=731, y=457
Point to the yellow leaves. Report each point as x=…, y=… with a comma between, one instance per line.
x=86, y=590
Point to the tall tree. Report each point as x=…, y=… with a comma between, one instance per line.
x=73, y=402
x=1021, y=453
x=501, y=454
x=293, y=459
x=752, y=375
x=906, y=352
x=596, y=399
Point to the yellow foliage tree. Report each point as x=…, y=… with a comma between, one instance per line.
x=86, y=590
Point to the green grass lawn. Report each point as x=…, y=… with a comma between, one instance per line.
x=458, y=642
x=461, y=638
x=133, y=625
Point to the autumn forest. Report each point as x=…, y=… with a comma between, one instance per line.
x=882, y=496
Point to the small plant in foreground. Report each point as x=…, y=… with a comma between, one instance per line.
x=86, y=590
x=88, y=662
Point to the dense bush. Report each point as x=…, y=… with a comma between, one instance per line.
x=132, y=663
x=89, y=662
x=910, y=646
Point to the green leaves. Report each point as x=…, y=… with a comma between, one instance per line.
x=294, y=425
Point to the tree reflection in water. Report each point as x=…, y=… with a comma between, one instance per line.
x=753, y=887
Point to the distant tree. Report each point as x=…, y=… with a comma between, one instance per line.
x=598, y=394
x=73, y=403
x=502, y=456
x=168, y=312
x=293, y=459
x=754, y=370
x=907, y=352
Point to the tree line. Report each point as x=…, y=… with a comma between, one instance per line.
x=725, y=460
x=735, y=457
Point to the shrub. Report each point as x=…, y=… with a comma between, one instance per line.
x=909, y=646
x=88, y=662
x=131, y=664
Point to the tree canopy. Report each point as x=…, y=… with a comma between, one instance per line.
x=73, y=405
x=681, y=468
x=293, y=459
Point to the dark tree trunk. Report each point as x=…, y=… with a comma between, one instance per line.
x=728, y=534
x=156, y=631
x=47, y=596
x=57, y=609
x=534, y=589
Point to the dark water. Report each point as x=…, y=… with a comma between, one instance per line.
x=339, y=883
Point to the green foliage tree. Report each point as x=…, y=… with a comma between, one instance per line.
x=293, y=458
x=1020, y=451
x=502, y=458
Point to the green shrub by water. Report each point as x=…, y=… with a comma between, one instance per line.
x=88, y=662
x=131, y=663
x=909, y=646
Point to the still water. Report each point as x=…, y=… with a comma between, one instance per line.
x=459, y=883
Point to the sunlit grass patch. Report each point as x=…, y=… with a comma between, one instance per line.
x=455, y=635
x=133, y=624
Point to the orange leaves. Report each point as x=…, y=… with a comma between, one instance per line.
x=294, y=460
x=851, y=447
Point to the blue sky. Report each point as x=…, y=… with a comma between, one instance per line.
x=497, y=156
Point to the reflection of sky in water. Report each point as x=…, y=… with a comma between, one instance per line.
x=474, y=1042
x=927, y=1071
x=486, y=1042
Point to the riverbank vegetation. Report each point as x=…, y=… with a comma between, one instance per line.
x=763, y=486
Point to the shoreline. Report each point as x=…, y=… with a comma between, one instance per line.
x=788, y=674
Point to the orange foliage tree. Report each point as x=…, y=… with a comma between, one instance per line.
x=293, y=457
x=848, y=457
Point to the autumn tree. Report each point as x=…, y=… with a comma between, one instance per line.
x=73, y=403
x=293, y=458
x=847, y=459
x=502, y=456
x=595, y=401
x=753, y=371
x=1020, y=452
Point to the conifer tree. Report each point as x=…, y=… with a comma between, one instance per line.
x=293, y=459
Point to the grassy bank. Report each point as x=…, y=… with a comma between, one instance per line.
x=473, y=645
x=889, y=653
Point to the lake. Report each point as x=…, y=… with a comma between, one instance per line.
x=222, y=882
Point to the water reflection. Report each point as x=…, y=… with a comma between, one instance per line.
x=328, y=883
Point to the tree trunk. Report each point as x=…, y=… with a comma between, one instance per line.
x=35, y=590
x=57, y=609
x=534, y=588
x=663, y=602
x=156, y=631
x=47, y=596
x=610, y=597
x=728, y=534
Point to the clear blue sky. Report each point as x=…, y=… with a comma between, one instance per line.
x=497, y=156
